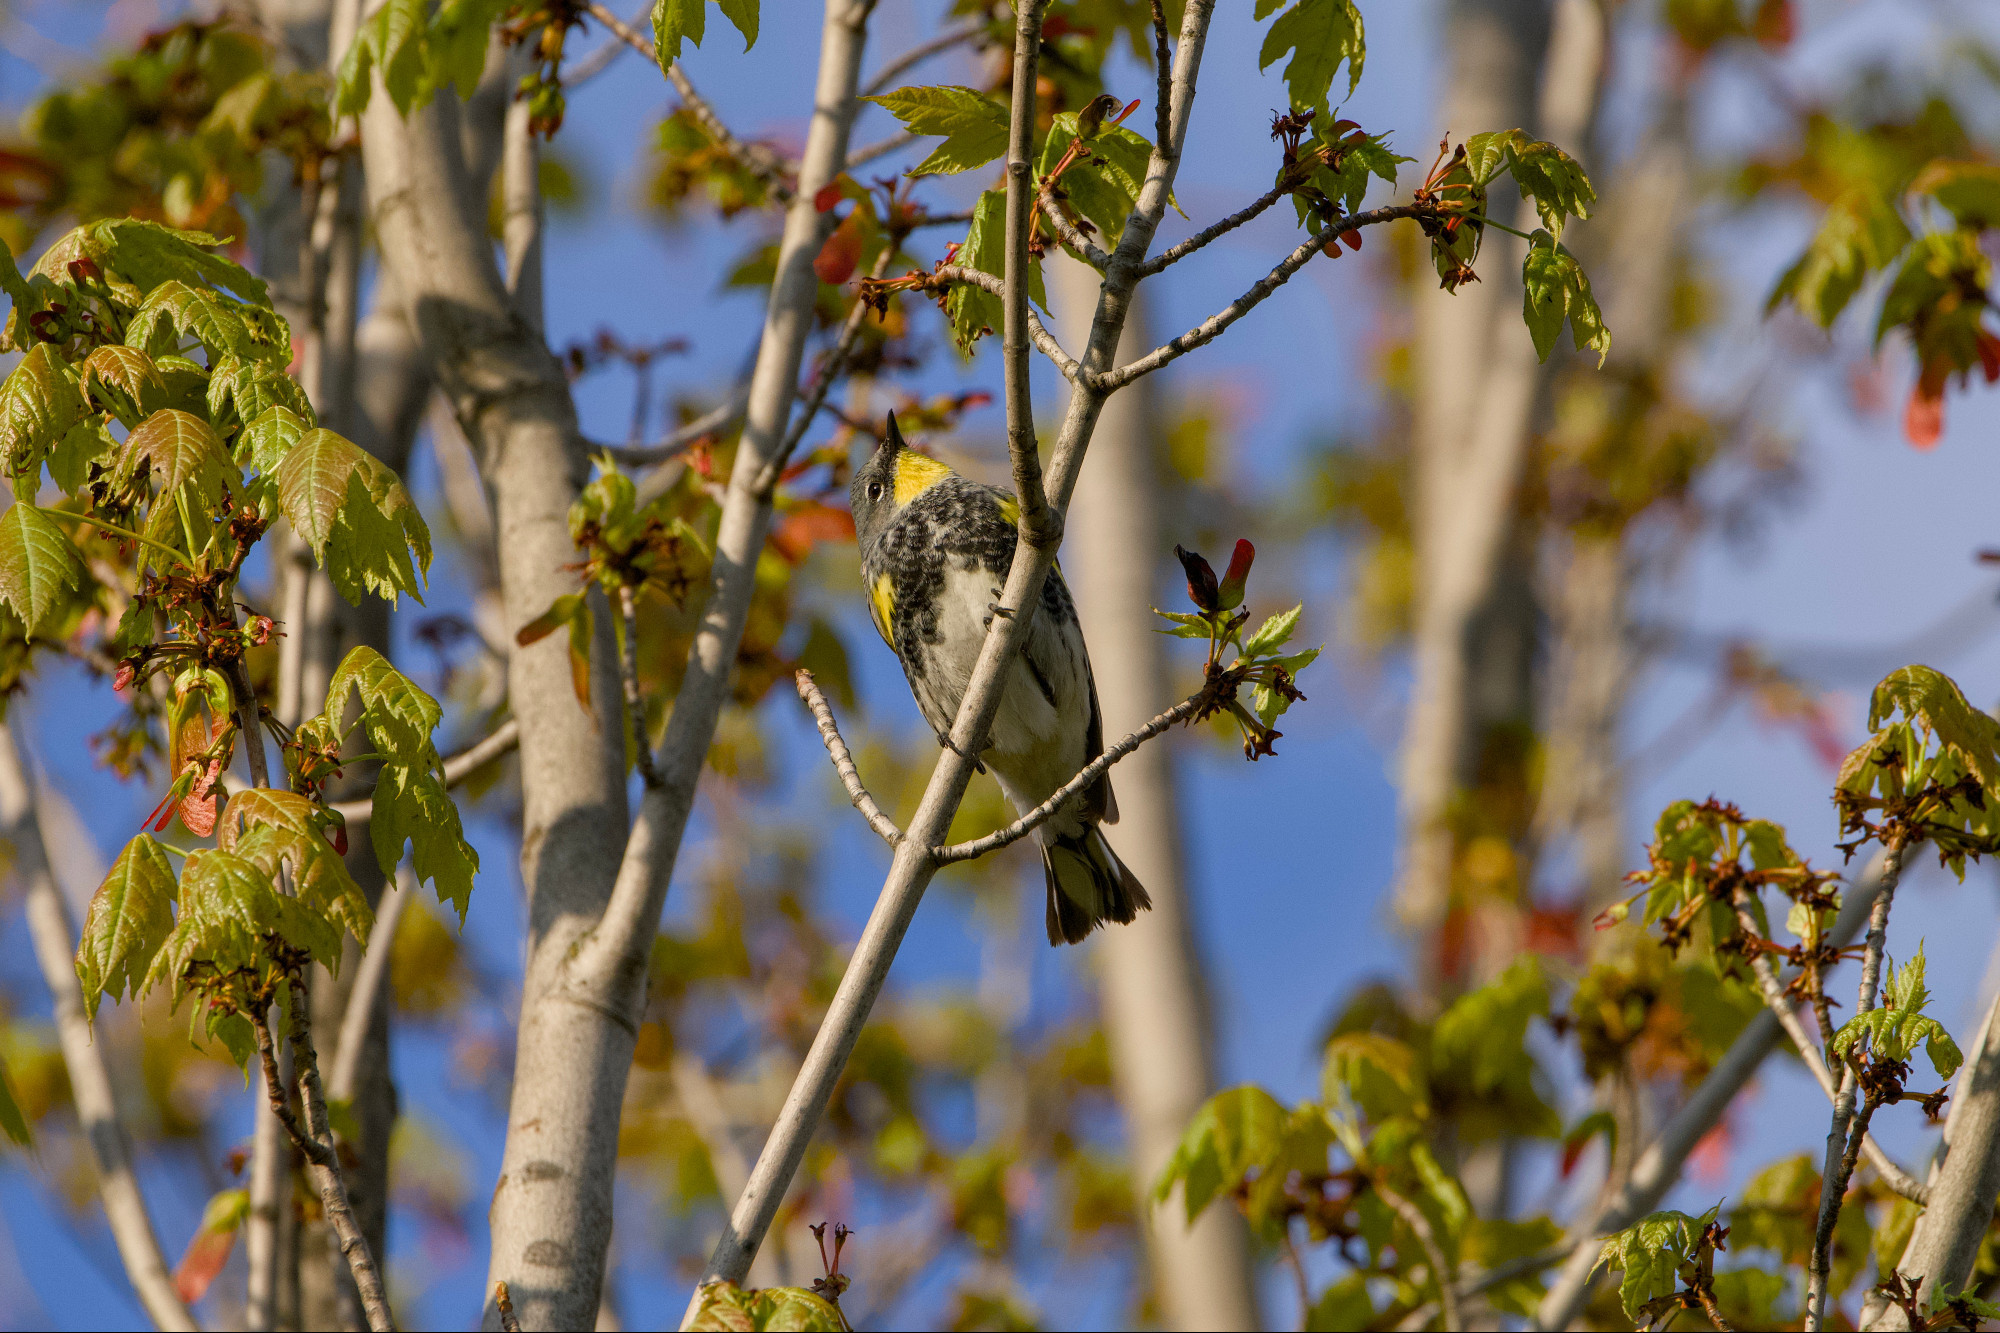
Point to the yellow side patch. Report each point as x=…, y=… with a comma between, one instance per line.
x=882, y=606
x=916, y=474
x=1010, y=509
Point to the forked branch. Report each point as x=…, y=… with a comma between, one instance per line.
x=850, y=776
x=1044, y=340
x=1067, y=231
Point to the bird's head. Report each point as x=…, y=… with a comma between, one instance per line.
x=893, y=476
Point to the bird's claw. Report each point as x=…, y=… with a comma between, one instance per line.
x=944, y=740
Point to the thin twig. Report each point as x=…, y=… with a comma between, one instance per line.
x=1163, y=77
x=681, y=438
x=635, y=701
x=314, y=1142
x=457, y=769
x=885, y=78
x=1839, y=1151
x=1091, y=772
x=1441, y=1273
x=940, y=220
x=1773, y=991
x=1298, y=1267
x=830, y=371
x=365, y=997
x=867, y=153
x=1067, y=231
x=761, y=162
x=995, y=286
x=1211, y=328
x=509, y=1322
x=843, y=760
x=599, y=60
x=1173, y=254
x=1709, y=1308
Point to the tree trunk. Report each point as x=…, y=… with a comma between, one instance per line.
x=551, y=1212
x=1155, y=1001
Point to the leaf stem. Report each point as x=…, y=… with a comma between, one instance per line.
x=1485, y=221
x=126, y=533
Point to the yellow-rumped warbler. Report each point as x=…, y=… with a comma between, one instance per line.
x=935, y=550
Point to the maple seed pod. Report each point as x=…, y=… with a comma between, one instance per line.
x=1201, y=585
x=1231, y=590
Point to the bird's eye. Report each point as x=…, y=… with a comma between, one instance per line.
x=874, y=490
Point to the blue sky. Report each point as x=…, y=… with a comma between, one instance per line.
x=1292, y=858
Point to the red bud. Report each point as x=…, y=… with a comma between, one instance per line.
x=339, y=838
x=828, y=196
x=1353, y=239
x=122, y=681
x=1201, y=585
x=842, y=251
x=1923, y=419
x=1231, y=590
x=1989, y=356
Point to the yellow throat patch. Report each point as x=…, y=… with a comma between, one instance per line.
x=916, y=474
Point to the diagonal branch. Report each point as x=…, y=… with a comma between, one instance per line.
x=1091, y=772
x=882, y=147
x=1067, y=231
x=1173, y=254
x=54, y=938
x=885, y=78
x=1040, y=532
x=1044, y=340
x=1211, y=328
x=1773, y=992
x=764, y=164
x=843, y=760
x=1441, y=1271
x=682, y=438
x=829, y=374
x=1659, y=1166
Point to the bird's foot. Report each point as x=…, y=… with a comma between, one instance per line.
x=995, y=609
x=944, y=741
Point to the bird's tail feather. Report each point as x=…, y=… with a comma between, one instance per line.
x=1088, y=884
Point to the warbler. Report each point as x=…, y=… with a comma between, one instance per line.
x=935, y=550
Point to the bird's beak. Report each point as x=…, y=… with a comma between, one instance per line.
x=893, y=439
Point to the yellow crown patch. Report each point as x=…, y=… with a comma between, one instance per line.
x=916, y=474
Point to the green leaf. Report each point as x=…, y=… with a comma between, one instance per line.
x=1895, y=1030
x=87, y=442
x=270, y=828
x=972, y=310
x=354, y=514
x=1273, y=632
x=1103, y=184
x=230, y=914
x=1482, y=1037
x=411, y=804
x=39, y=402
x=1319, y=35
x=1941, y=744
x=1861, y=234
x=130, y=916
x=125, y=381
x=1383, y=1076
x=974, y=125
x=1969, y=191
x=1234, y=1133
x=175, y=310
x=1344, y=1305
x=675, y=20
x=1543, y=172
x=38, y=565
x=149, y=254
x=727, y=1307
x=252, y=388
x=1555, y=290
x=264, y=443
x=1650, y=1253
x=180, y=449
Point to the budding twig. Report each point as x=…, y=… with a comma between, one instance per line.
x=843, y=760
x=1044, y=340
x=1066, y=231
x=830, y=371
x=1414, y=1219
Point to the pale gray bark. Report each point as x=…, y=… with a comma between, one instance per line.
x=1478, y=386
x=552, y=1208
x=54, y=937
x=1153, y=994
x=521, y=213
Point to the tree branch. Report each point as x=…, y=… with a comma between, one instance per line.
x=459, y=767
x=1044, y=340
x=881, y=148
x=762, y=163
x=1659, y=1166
x=1067, y=231
x=365, y=996
x=831, y=369
x=635, y=701
x=682, y=438
x=1034, y=555
x=1773, y=992
x=1441, y=1272
x=1840, y=1152
x=885, y=78
x=1211, y=328
x=1173, y=254
x=54, y=939
x=314, y=1142
x=843, y=759
x=1096, y=768
x=1163, y=76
